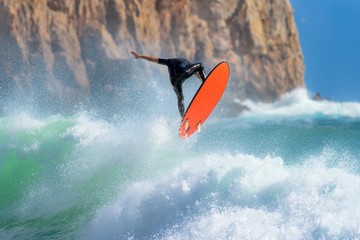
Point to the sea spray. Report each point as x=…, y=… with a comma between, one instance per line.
x=288, y=170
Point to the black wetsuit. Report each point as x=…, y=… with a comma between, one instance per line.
x=180, y=69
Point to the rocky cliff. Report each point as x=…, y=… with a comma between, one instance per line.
x=62, y=52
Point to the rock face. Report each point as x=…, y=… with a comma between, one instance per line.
x=62, y=52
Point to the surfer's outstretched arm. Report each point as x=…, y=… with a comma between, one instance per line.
x=148, y=58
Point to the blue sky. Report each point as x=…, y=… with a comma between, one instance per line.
x=330, y=40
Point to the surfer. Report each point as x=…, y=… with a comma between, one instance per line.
x=180, y=69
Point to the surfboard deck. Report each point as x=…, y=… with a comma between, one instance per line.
x=205, y=100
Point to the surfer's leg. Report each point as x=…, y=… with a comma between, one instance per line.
x=181, y=107
x=196, y=68
x=180, y=96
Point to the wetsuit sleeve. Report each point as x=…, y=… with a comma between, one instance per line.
x=163, y=61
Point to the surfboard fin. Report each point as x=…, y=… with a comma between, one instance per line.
x=186, y=123
x=198, y=126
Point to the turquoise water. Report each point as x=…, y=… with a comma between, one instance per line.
x=287, y=170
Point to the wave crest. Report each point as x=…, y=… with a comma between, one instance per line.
x=299, y=103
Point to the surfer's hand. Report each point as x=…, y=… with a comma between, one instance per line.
x=136, y=55
x=199, y=77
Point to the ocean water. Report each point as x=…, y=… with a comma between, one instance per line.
x=287, y=170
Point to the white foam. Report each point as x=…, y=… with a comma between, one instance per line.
x=298, y=103
x=87, y=129
x=24, y=121
x=236, y=197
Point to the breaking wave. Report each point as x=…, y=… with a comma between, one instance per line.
x=284, y=170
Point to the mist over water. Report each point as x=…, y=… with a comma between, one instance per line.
x=287, y=170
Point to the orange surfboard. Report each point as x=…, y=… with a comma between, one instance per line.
x=205, y=100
